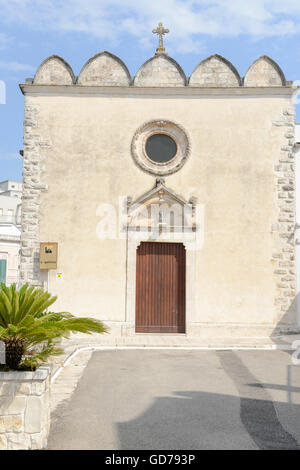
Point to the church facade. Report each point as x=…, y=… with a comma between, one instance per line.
x=171, y=199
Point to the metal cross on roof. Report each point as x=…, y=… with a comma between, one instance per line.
x=160, y=30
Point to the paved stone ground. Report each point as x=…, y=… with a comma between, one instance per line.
x=174, y=399
x=173, y=340
x=64, y=386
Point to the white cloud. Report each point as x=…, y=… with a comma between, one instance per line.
x=4, y=41
x=189, y=21
x=16, y=66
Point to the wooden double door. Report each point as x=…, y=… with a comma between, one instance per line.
x=160, y=288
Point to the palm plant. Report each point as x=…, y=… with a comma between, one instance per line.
x=29, y=331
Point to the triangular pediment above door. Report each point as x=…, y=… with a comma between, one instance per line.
x=161, y=203
x=159, y=194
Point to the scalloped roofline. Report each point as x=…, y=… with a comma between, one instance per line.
x=132, y=80
x=112, y=56
x=170, y=59
x=272, y=62
x=60, y=59
x=222, y=59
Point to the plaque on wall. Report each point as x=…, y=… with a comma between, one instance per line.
x=48, y=255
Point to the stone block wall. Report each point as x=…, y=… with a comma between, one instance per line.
x=284, y=251
x=264, y=72
x=24, y=409
x=215, y=71
x=160, y=71
x=32, y=187
x=54, y=70
x=106, y=69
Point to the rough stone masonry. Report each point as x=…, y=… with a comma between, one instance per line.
x=24, y=409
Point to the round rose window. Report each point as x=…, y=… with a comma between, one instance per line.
x=161, y=148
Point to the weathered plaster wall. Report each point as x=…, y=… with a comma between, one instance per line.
x=77, y=150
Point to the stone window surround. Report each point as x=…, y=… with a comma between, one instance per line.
x=160, y=126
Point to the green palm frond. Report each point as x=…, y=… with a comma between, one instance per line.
x=25, y=322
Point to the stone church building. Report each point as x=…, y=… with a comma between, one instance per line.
x=170, y=198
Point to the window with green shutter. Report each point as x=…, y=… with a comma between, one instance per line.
x=3, y=270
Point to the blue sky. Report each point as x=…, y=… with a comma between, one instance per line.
x=31, y=30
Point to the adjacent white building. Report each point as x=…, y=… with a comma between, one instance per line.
x=10, y=221
x=11, y=188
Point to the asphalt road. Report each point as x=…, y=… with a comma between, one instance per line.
x=155, y=399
